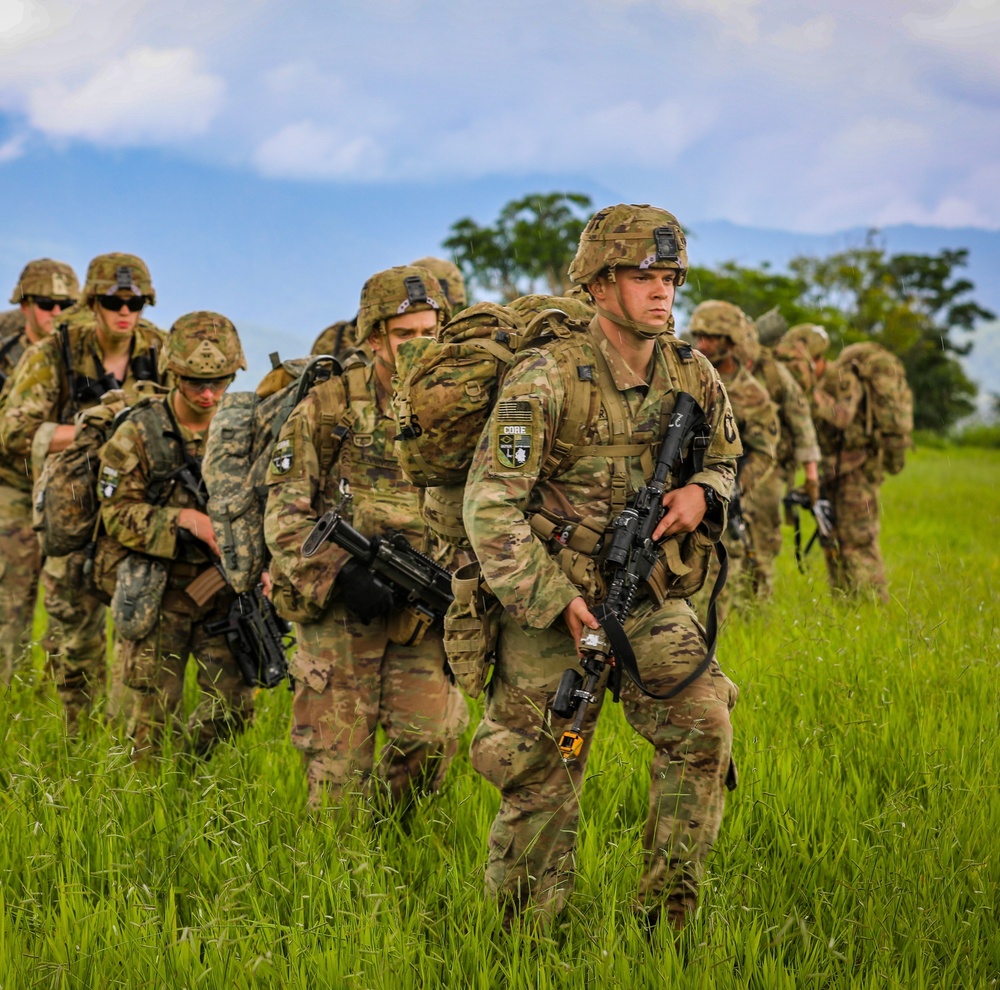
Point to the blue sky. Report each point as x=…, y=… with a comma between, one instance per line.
x=266, y=156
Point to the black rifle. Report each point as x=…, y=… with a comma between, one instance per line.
x=826, y=524
x=631, y=557
x=416, y=581
x=257, y=636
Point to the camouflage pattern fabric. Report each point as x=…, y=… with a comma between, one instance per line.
x=794, y=355
x=533, y=837
x=337, y=705
x=530, y=858
x=757, y=421
x=449, y=275
x=20, y=564
x=337, y=338
x=141, y=518
x=111, y=273
x=46, y=278
x=36, y=400
x=11, y=322
x=203, y=345
x=797, y=445
x=530, y=306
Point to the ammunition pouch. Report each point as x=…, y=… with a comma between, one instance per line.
x=138, y=595
x=406, y=627
x=471, y=630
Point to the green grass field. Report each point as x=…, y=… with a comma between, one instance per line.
x=862, y=848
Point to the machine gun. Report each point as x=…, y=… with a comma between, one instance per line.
x=826, y=523
x=416, y=582
x=631, y=557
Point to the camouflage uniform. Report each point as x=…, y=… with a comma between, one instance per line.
x=20, y=560
x=519, y=488
x=351, y=677
x=797, y=445
x=37, y=399
x=757, y=420
x=449, y=277
x=337, y=339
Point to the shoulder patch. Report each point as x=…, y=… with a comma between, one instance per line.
x=282, y=457
x=514, y=433
x=107, y=483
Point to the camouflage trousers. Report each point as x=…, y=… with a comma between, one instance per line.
x=762, y=511
x=856, y=567
x=350, y=679
x=530, y=858
x=20, y=563
x=738, y=589
x=153, y=670
x=75, y=643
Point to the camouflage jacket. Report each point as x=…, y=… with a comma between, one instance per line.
x=517, y=478
x=300, y=491
x=836, y=408
x=138, y=509
x=36, y=398
x=757, y=420
x=798, y=443
x=14, y=471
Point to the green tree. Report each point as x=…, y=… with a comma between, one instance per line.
x=533, y=240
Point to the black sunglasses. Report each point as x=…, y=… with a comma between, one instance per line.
x=46, y=305
x=115, y=303
x=197, y=384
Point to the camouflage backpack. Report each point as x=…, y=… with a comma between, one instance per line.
x=238, y=454
x=65, y=509
x=888, y=405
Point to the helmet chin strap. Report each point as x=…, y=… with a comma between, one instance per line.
x=648, y=331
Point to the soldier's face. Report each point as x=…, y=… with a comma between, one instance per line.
x=712, y=347
x=421, y=323
x=121, y=321
x=648, y=294
x=38, y=320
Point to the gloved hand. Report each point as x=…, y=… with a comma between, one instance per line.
x=362, y=592
x=811, y=488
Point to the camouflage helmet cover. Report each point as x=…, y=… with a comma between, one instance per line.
x=399, y=290
x=450, y=277
x=530, y=306
x=629, y=236
x=814, y=336
x=47, y=278
x=111, y=273
x=203, y=345
x=717, y=318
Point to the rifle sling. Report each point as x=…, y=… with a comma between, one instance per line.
x=622, y=649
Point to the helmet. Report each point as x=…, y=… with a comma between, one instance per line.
x=632, y=237
x=530, y=306
x=45, y=277
x=396, y=291
x=716, y=318
x=450, y=277
x=203, y=345
x=815, y=337
x=110, y=273
x=770, y=326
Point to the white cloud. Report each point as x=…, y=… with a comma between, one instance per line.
x=148, y=95
x=306, y=150
x=20, y=19
x=12, y=148
x=812, y=35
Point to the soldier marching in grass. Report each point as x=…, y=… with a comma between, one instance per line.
x=44, y=291
x=160, y=552
x=102, y=345
x=797, y=447
x=863, y=411
x=356, y=667
x=720, y=330
x=526, y=482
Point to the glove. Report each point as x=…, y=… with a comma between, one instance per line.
x=811, y=489
x=362, y=592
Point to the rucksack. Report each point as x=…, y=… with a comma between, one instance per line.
x=237, y=456
x=65, y=508
x=888, y=406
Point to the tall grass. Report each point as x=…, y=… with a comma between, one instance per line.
x=861, y=849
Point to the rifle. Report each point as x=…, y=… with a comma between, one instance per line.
x=826, y=524
x=416, y=581
x=257, y=636
x=632, y=555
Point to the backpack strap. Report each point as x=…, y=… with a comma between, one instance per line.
x=334, y=413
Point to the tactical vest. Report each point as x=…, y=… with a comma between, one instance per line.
x=11, y=349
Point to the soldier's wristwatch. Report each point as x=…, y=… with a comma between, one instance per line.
x=711, y=499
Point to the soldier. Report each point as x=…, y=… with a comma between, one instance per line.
x=797, y=447
x=863, y=410
x=720, y=330
x=353, y=671
x=536, y=508
x=45, y=289
x=449, y=277
x=151, y=509
x=101, y=345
